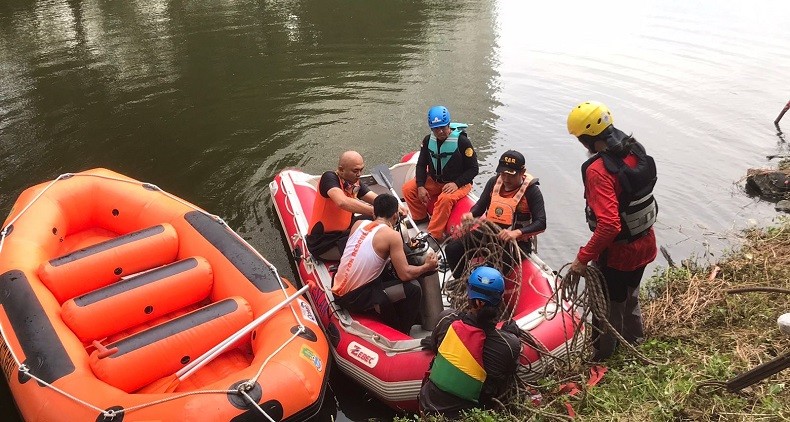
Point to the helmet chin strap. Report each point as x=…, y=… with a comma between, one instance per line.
x=588, y=143
x=478, y=304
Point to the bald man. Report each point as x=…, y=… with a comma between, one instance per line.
x=340, y=197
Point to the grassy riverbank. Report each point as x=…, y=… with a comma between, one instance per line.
x=699, y=329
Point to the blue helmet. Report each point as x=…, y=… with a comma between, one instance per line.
x=486, y=284
x=438, y=116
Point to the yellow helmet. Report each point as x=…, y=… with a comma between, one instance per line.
x=589, y=118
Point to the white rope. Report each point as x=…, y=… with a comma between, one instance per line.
x=265, y=362
x=29, y=204
x=288, y=206
x=24, y=369
x=111, y=413
x=254, y=403
x=171, y=398
x=4, y=233
x=49, y=185
x=8, y=347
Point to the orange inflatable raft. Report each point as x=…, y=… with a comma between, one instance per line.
x=120, y=302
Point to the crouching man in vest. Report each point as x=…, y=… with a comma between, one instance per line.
x=474, y=361
x=511, y=199
x=364, y=283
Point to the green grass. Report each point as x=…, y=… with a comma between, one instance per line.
x=697, y=332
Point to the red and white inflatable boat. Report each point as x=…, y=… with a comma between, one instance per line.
x=387, y=362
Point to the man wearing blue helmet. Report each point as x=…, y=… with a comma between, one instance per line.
x=475, y=362
x=446, y=166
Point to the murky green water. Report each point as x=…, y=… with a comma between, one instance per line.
x=209, y=99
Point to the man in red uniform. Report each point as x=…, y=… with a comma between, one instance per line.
x=618, y=189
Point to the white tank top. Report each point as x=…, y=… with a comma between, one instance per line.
x=360, y=263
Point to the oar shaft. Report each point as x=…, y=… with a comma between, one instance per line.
x=215, y=351
x=387, y=182
x=408, y=217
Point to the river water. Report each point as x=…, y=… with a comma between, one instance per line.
x=210, y=98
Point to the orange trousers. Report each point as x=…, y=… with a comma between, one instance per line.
x=442, y=203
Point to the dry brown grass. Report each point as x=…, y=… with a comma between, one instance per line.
x=724, y=306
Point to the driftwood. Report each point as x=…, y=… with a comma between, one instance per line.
x=773, y=185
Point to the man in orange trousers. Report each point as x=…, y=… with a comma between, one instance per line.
x=446, y=166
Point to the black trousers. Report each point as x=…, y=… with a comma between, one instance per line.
x=456, y=254
x=329, y=246
x=399, y=313
x=625, y=314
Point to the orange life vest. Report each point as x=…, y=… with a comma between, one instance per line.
x=332, y=217
x=504, y=205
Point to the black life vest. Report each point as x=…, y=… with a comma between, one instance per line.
x=637, y=207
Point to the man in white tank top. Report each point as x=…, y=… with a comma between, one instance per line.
x=362, y=283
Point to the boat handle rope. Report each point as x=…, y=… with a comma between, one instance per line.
x=287, y=194
x=111, y=413
x=297, y=239
x=260, y=370
x=29, y=204
x=299, y=242
x=257, y=406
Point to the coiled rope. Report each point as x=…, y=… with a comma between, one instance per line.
x=596, y=301
x=576, y=300
x=483, y=246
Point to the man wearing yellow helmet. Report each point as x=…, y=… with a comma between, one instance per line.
x=618, y=188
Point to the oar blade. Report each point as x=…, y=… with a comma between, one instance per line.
x=381, y=174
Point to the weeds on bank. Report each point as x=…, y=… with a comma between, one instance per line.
x=704, y=322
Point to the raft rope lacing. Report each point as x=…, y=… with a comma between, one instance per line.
x=110, y=414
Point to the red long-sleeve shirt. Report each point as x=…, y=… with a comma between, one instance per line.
x=601, y=189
